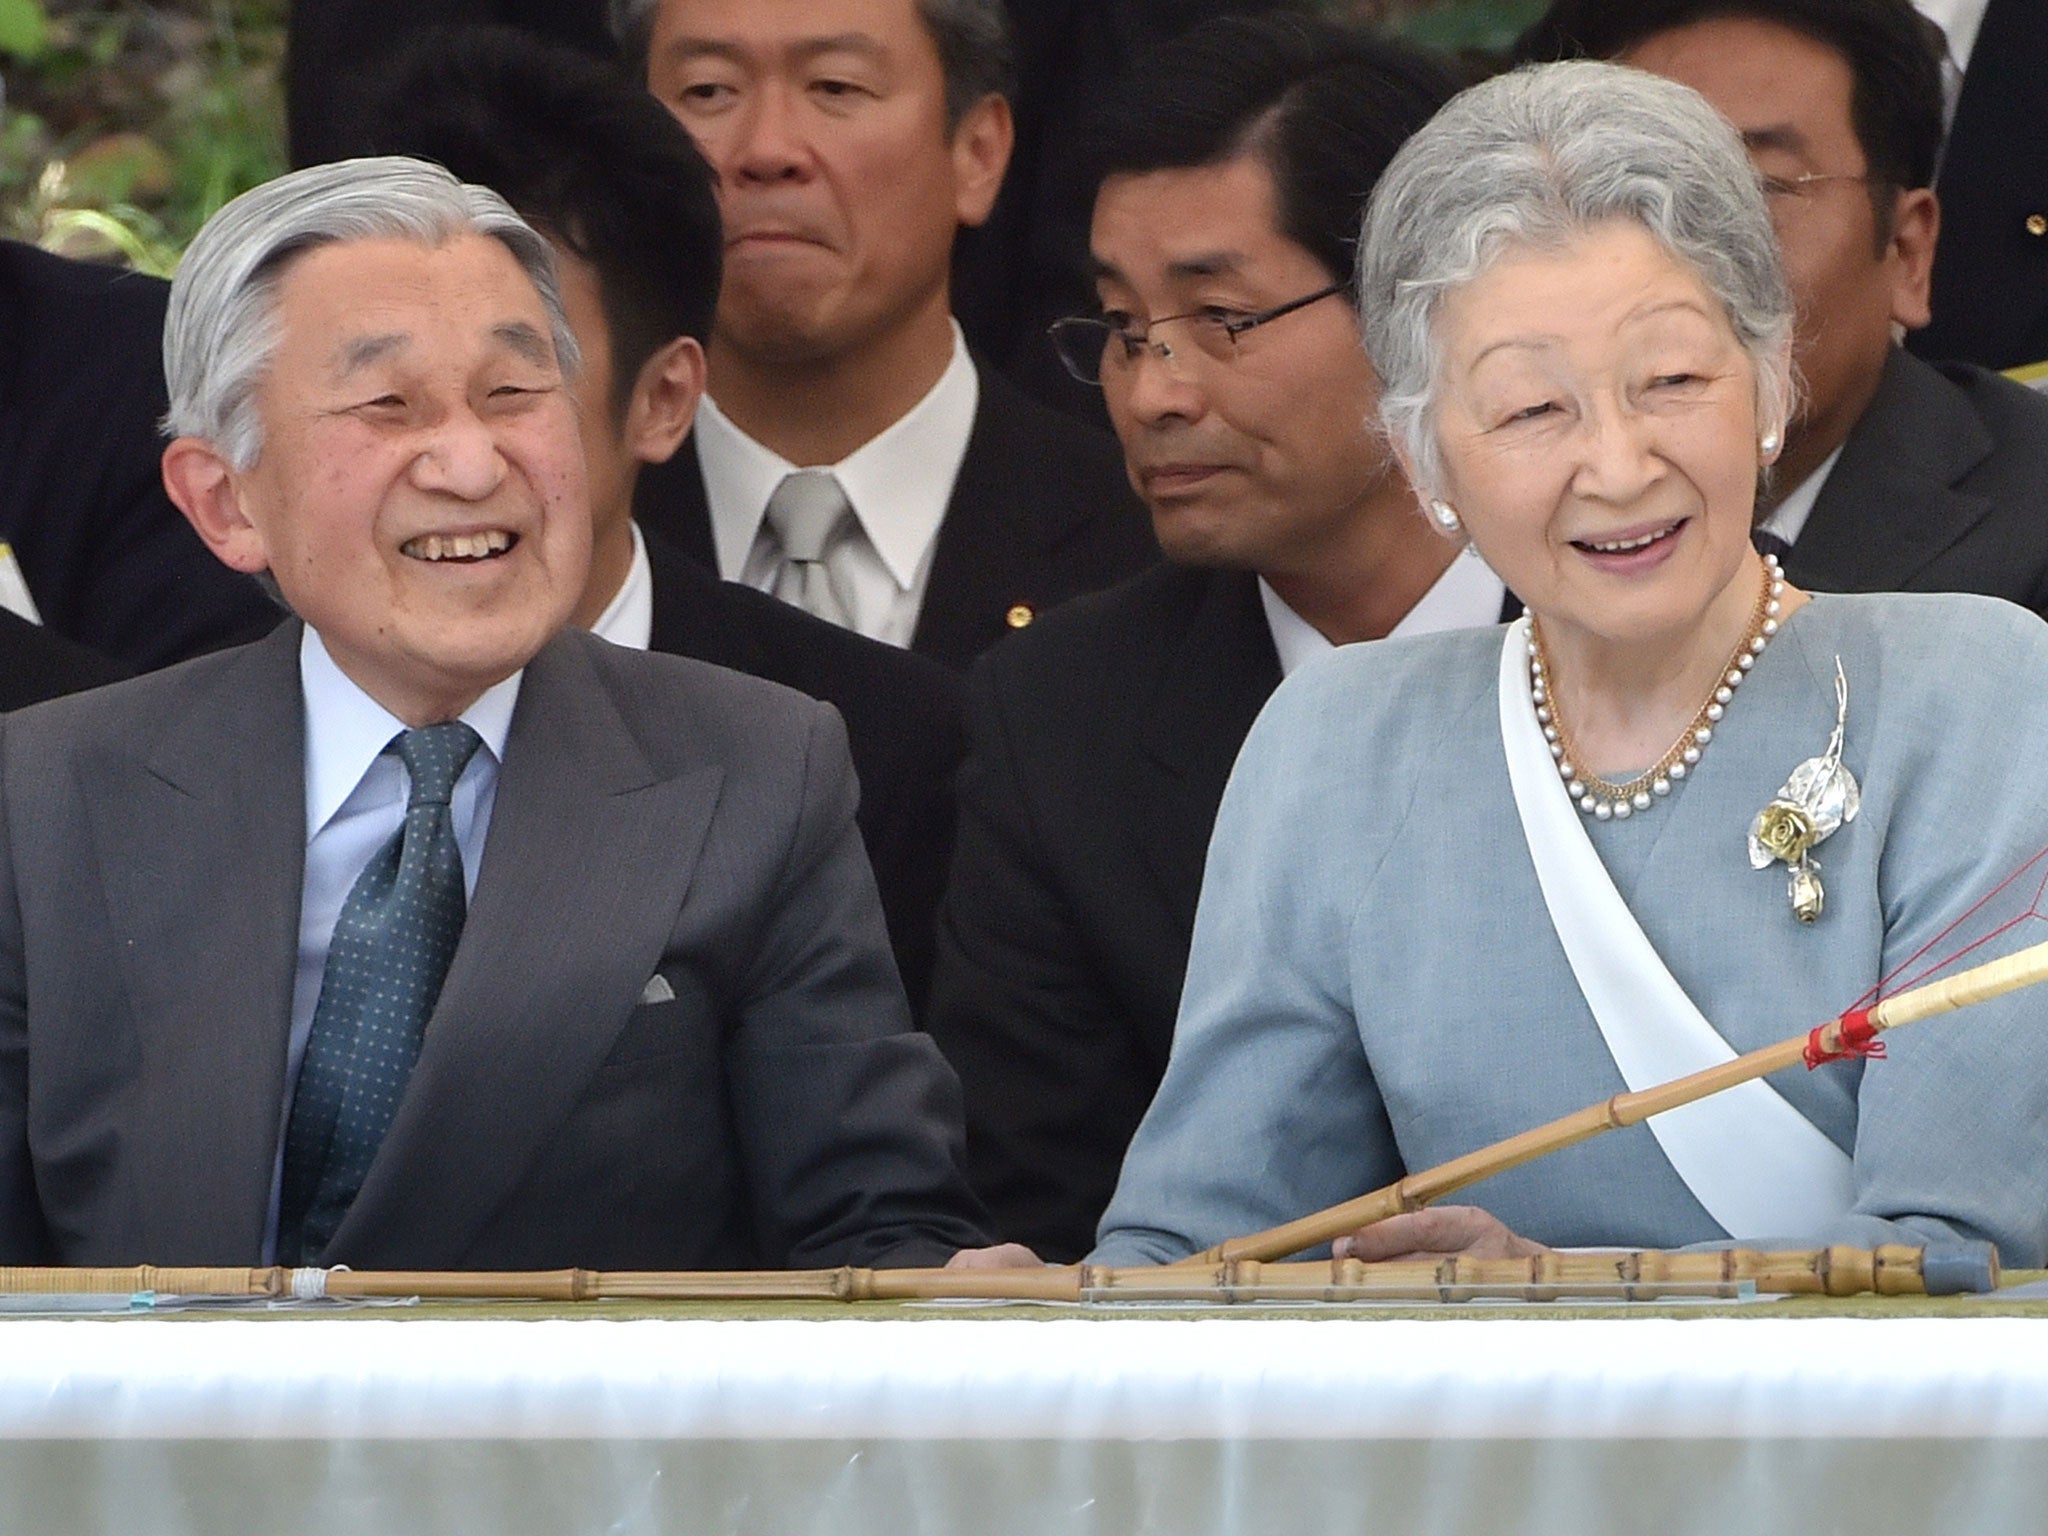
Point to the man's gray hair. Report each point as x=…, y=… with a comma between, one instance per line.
x=221, y=330
x=1532, y=160
x=976, y=53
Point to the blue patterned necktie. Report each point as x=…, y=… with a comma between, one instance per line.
x=392, y=943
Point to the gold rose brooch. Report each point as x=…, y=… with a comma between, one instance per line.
x=1820, y=796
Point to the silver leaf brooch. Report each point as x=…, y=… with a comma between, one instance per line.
x=1819, y=797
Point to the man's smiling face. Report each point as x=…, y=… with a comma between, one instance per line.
x=419, y=495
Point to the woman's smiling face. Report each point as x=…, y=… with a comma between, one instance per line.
x=1596, y=417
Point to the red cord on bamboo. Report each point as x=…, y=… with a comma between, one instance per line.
x=1856, y=1035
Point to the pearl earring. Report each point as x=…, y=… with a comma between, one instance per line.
x=1446, y=517
x=1770, y=442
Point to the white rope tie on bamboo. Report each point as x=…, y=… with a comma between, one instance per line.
x=310, y=1284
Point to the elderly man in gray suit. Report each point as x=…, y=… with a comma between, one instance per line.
x=427, y=932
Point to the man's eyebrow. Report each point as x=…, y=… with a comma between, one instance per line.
x=360, y=352
x=684, y=50
x=527, y=342
x=1206, y=264
x=1777, y=136
x=1203, y=264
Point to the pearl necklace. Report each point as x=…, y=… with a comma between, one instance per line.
x=1617, y=802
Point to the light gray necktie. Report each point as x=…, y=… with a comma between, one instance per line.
x=812, y=518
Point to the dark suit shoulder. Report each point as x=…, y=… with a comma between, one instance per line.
x=36, y=665
x=681, y=707
x=2016, y=416
x=1117, y=639
x=58, y=280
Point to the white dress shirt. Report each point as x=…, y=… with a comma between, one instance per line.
x=1467, y=596
x=628, y=619
x=1959, y=21
x=1788, y=517
x=355, y=800
x=898, y=482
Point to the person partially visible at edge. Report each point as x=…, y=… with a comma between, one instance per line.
x=1896, y=474
x=1464, y=884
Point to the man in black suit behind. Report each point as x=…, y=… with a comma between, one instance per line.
x=1991, y=269
x=107, y=560
x=627, y=201
x=852, y=140
x=1896, y=474
x=1236, y=169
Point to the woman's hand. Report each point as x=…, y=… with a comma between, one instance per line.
x=1437, y=1232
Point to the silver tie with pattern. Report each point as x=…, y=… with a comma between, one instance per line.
x=813, y=520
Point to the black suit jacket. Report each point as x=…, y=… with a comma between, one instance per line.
x=1941, y=487
x=1101, y=739
x=1041, y=511
x=36, y=665
x=1991, y=268
x=904, y=723
x=766, y=1105
x=110, y=562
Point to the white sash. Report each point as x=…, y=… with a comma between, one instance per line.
x=1759, y=1167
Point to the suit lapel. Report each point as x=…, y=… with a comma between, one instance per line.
x=1213, y=687
x=202, y=844
x=988, y=541
x=589, y=853
x=1889, y=508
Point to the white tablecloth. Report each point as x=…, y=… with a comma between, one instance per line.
x=948, y=1425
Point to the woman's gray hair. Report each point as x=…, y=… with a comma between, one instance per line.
x=221, y=330
x=1533, y=159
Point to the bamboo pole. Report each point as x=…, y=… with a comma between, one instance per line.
x=1891, y=1270
x=1847, y=1034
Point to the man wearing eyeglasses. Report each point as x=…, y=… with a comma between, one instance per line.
x=1235, y=170
x=1897, y=474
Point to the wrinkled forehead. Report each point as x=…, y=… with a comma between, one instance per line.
x=352, y=304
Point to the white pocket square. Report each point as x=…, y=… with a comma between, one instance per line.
x=657, y=990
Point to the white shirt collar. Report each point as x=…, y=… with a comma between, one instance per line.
x=1959, y=21
x=1788, y=518
x=898, y=481
x=346, y=729
x=628, y=619
x=1466, y=596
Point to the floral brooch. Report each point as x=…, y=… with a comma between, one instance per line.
x=1820, y=796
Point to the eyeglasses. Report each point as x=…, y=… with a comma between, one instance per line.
x=1796, y=186
x=1091, y=347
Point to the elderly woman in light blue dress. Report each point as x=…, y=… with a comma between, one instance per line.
x=1467, y=883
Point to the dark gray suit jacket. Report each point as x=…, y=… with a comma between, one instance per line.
x=654, y=816
x=1941, y=487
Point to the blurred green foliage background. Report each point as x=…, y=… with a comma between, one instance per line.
x=126, y=124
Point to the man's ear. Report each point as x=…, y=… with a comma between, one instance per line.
x=1916, y=227
x=664, y=401
x=206, y=488
x=981, y=153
